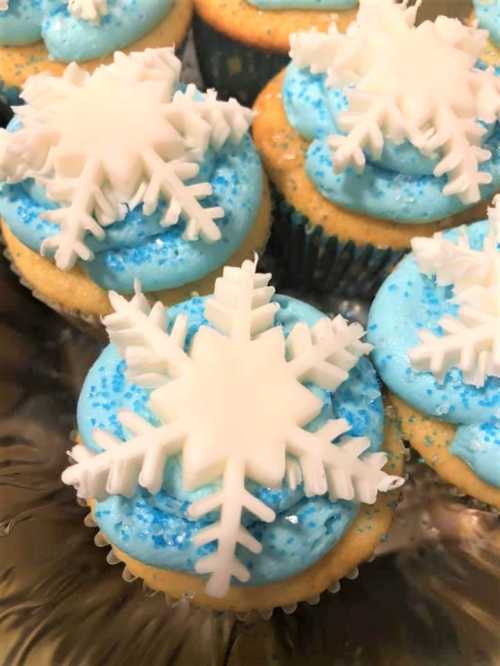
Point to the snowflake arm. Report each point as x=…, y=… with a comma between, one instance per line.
x=88, y=10
x=326, y=353
x=366, y=122
x=340, y=469
x=153, y=66
x=471, y=342
x=486, y=86
x=200, y=122
x=228, y=531
x=204, y=119
x=293, y=473
x=241, y=305
x=124, y=465
x=464, y=37
x=24, y=153
x=458, y=139
x=331, y=53
x=138, y=330
x=451, y=263
x=167, y=179
x=76, y=220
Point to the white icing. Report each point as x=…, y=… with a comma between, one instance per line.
x=87, y=10
x=408, y=82
x=121, y=135
x=471, y=341
x=236, y=406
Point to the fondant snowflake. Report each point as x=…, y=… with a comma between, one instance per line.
x=106, y=142
x=237, y=405
x=88, y=10
x=407, y=82
x=471, y=340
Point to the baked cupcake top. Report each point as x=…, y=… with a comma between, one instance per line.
x=79, y=30
x=232, y=436
x=488, y=15
x=435, y=325
x=402, y=124
x=304, y=4
x=129, y=174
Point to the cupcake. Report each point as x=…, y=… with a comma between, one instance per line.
x=487, y=15
x=42, y=36
x=195, y=477
x=241, y=44
x=373, y=137
x=435, y=324
x=123, y=175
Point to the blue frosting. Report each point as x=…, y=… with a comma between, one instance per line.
x=21, y=23
x=304, y=4
x=156, y=529
x=139, y=247
x=409, y=301
x=70, y=39
x=399, y=186
x=488, y=15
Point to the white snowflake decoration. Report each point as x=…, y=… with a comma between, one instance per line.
x=471, y=341
x=87, y=10
x=105, y=142
x=407, y=82
x=235, y=404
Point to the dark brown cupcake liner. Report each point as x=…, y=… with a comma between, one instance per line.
x=232, y=68
x=313, y=260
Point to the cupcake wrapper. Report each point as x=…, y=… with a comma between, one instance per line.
x=232, y=68
x=249, y=617
x=313, y=260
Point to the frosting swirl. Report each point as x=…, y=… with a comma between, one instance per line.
x=69, y=38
